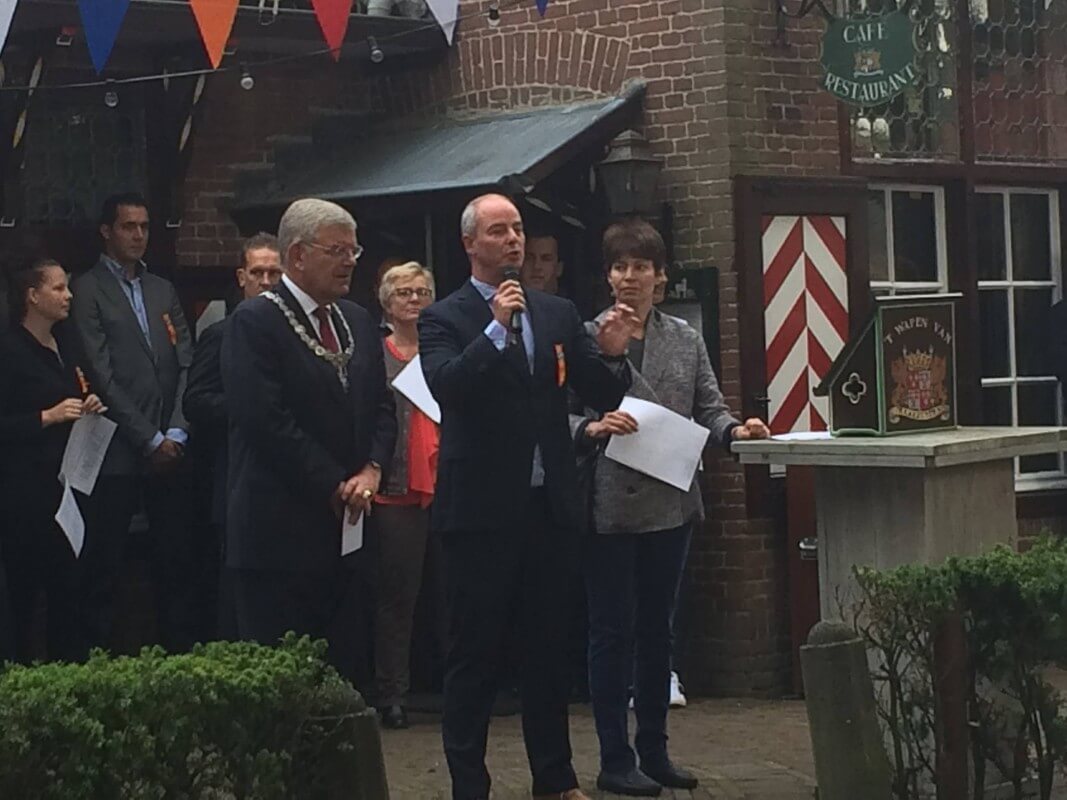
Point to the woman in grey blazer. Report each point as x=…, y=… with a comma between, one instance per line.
x=641, y=526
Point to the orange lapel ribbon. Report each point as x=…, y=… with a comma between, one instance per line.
x=172, y=333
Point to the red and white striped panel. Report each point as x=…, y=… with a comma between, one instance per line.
x=805, y=313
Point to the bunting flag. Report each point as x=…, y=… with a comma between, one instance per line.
x=101, y=20
x=7, y=11
x=215, y=20
x=445, y=12
x=333, y=19
x=542, y=7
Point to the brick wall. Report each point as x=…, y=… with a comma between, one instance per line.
x=723, y=98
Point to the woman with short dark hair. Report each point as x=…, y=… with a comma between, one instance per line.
x=637, y=550
x=43, y=391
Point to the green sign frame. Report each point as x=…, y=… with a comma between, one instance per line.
x=869, y=60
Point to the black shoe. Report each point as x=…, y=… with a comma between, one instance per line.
x=634, y=783
x=669, y=775
x=394, y=717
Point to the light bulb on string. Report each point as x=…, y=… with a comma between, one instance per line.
x=494, y=15
x=247, y=81
x=111, y=97
x=376, y=54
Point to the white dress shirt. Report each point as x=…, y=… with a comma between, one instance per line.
x=308, y=306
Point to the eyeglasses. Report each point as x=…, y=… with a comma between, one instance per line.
x=407, y=292
x=339, y=250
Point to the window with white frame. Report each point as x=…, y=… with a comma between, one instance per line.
x=906, y=239
x=1019, y=269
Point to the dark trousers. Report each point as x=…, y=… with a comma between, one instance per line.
x=322, y=604
x=404, y=545
x=180, y=613
x=41, y=563
x=525, y=576
x=632, y=584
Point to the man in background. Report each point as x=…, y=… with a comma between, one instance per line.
x=541, y=267
x=138, y=347
x=205, y=407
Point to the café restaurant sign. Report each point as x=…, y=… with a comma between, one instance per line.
x=869, y=60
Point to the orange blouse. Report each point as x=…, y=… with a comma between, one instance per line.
x=423, y=446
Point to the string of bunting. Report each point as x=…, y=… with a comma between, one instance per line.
x=102, y=21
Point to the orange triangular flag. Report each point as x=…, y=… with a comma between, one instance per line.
x=333, y=19
x=215, y=20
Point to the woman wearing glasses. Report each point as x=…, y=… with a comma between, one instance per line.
x=401, y=517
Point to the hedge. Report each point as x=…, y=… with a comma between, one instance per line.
x=229, y=720
x=1011, y=609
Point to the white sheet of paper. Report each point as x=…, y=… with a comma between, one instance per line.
x=86, y=447
x=7, y=11
x=351, y=534
x=411, y=383
x=69, y=518
x=667, y=446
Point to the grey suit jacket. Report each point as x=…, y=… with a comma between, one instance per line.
x=677, y=374
x=142, y=385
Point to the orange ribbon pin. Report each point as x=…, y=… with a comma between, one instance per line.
x=172, y=332
x=83, y=383
x=561, y=365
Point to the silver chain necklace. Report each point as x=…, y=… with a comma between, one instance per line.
x=339, y=361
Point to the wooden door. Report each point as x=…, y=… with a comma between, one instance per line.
x=802, y=255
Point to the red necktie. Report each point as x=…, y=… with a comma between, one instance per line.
x=329, y=341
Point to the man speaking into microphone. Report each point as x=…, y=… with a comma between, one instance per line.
x=499, y=362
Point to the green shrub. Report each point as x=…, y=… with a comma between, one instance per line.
x=1013, y=609
x=229, y=720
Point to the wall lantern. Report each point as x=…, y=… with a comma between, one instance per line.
x=630, y=175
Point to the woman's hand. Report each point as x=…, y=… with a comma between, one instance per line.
x=93, y=405
x=753, y=428
x=64, y=411
x=618, y=423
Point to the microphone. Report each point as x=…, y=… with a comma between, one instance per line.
x=512, y=274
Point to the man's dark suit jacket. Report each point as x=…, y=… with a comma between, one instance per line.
x=141, y=384
x=204, y=404
x=494, y=412
x=295, y=433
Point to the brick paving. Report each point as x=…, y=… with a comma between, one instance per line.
x=740, y=750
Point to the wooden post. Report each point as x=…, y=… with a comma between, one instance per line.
x=850, y=758
x=951, y=731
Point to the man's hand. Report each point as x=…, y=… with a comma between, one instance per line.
x=507, y=300
x=357, y=493
x=165, y=457
x=753, y=428
x=617, y=329
x=618, y=423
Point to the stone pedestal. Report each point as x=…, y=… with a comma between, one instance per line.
x=916, y=499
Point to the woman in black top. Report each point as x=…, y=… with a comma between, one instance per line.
x=42, y=392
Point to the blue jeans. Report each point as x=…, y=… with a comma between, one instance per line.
x=632, y=584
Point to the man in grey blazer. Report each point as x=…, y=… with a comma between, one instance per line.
x=138, y=349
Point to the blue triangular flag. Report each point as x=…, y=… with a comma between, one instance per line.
x=101, y=20
x=542, y=6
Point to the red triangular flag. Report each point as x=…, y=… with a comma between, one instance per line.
x=333, y=19
x=215, y=20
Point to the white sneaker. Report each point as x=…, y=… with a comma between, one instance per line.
x=677, y=692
